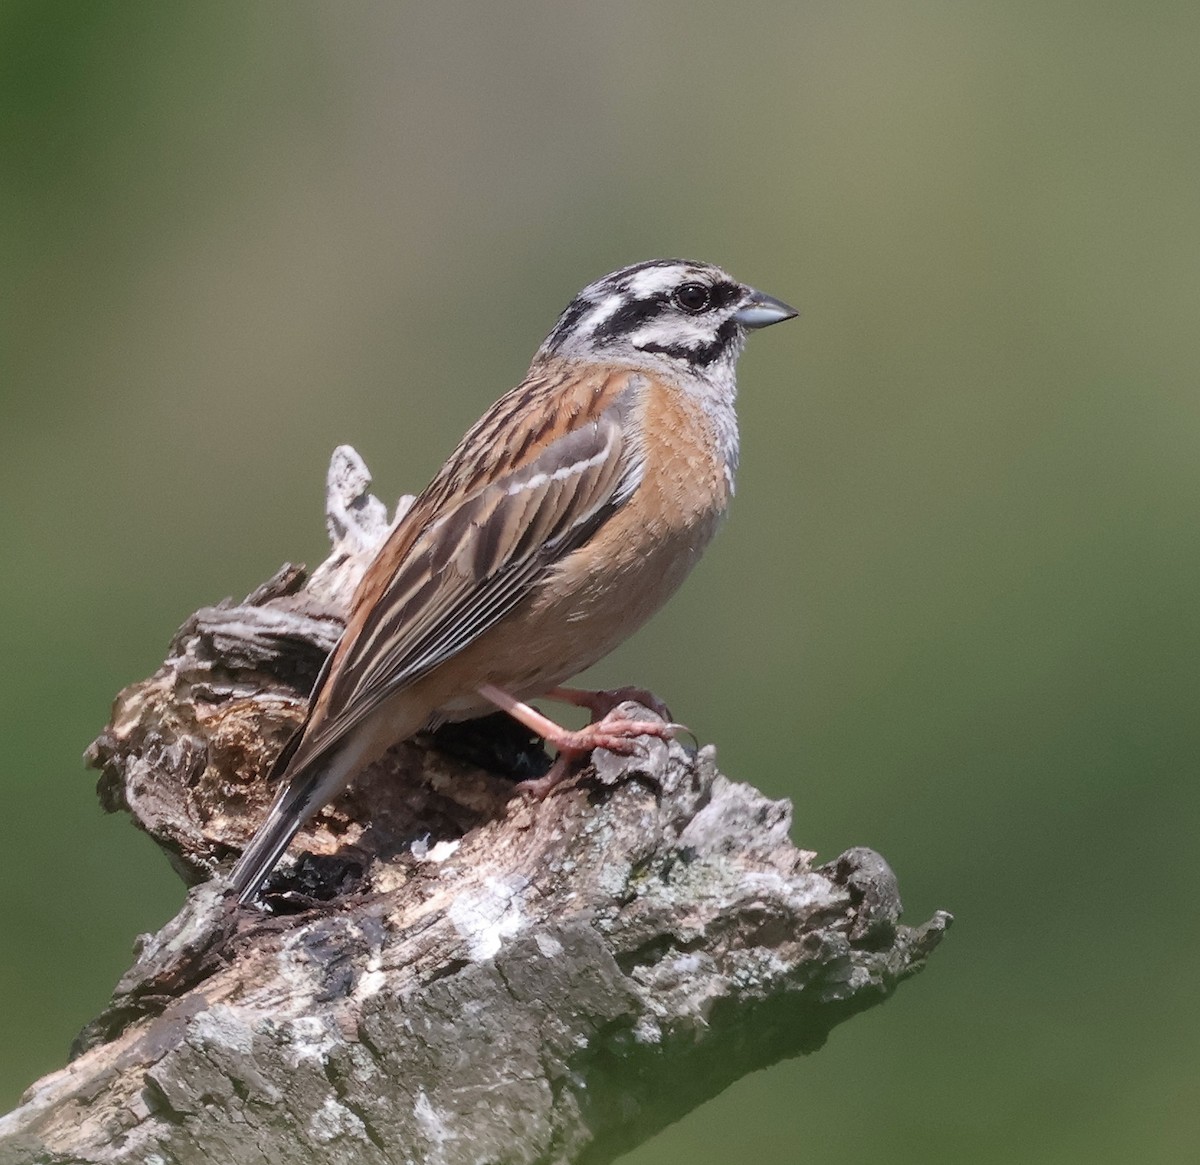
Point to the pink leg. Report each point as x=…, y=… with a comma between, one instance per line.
x=614, y=733
x=601, y=703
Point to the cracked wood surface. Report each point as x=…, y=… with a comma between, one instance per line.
x=448, y=974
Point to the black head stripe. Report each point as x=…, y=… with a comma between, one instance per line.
x=628, y=272
x=702, y=355
x=637, y=307
x=628, y=317
x=569, y=320
x=724, y=293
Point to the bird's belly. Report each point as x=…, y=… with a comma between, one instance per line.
x=586, y=606
x=598, y=595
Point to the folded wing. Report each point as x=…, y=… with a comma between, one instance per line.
x=475, y=543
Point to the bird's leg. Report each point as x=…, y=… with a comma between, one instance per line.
x=601, y=703
x=615, y=733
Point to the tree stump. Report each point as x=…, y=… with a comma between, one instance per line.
x=447, y=973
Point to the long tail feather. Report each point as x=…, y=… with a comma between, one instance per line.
x=293, y=806
x=302, y=794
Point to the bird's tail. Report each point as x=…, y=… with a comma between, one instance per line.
x=301, y=795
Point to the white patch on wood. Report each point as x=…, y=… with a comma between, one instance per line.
x=430, y=1122
x=333, y=1120
x=307, y=1038
x=221, y=1027
x=438, y=852
x=373, y=979
x=489, y=914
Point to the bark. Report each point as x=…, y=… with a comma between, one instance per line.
x=449, y=973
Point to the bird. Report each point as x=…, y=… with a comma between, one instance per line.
x=565, y=517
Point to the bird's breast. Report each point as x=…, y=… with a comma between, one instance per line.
x=600, y=593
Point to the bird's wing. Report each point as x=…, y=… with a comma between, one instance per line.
x=541, y=471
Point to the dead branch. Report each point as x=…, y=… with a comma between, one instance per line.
x=448, y=974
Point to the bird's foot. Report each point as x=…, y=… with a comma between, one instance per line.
x=612, y=732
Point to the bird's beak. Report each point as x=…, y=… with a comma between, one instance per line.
x=760, y=310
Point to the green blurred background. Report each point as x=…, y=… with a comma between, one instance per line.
x=953, y=614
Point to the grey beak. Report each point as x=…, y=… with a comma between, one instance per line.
x=760, y=310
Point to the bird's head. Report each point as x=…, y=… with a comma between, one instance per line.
x=669, y=314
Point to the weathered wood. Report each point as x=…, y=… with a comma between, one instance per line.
x=452, y=975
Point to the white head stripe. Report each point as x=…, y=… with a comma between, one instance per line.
x=653, y=280
x=600, y=312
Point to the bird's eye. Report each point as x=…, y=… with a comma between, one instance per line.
x=692, y=297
